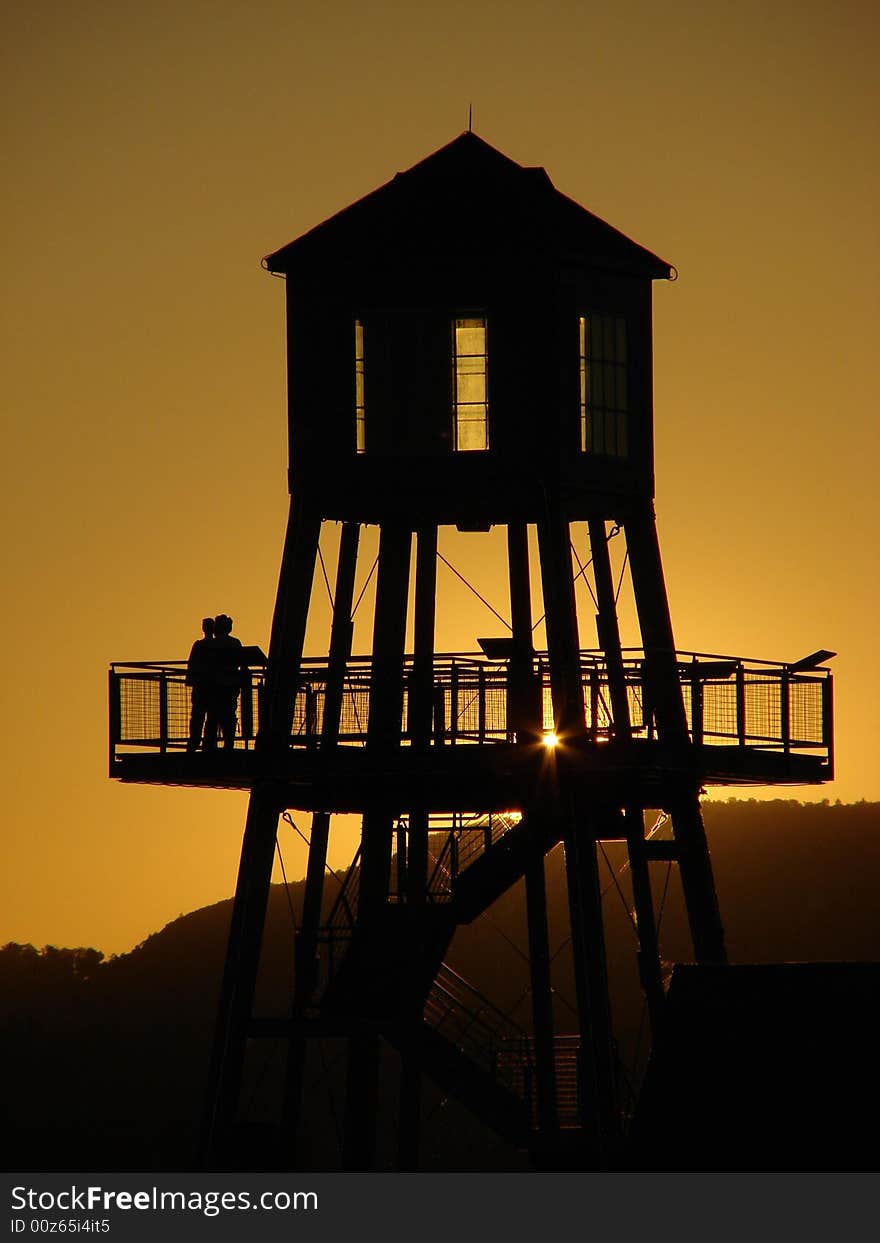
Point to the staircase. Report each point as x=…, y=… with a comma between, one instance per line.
x=382, y=974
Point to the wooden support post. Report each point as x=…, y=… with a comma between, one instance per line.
x=663, y=683
x=523, y=694
x=288, y=628
x=421, y=713
x=661, y=667
x=563, y=646
x=258, y=848
x=383, y=735
x=542, y=997
x=239, y=977
x=608, y=631
x=306, y=942
x=597, y=1065
x=650, y=972
x=598, y=1071
x=421, y=708
x=522, y=679
x=609, y=638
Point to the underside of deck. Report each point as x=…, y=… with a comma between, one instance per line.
x=492, y=778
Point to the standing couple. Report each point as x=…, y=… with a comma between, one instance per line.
x=213, y=672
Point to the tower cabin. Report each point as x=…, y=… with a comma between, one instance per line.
x=464, y=340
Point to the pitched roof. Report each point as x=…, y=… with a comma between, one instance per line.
x=469, y=193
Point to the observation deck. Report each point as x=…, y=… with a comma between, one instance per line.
x=750, y=722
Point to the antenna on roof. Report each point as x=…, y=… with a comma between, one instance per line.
x=470, y=118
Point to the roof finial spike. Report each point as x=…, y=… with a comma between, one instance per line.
x=470, y=118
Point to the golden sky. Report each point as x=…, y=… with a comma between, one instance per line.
x=154, y=152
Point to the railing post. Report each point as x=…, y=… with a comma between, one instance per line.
x=115, y=703
x=311, y=736
x=163, y=712
x=247, y=706
x=481, y=704
x=594, y=703
x=453, y=702
x=741, y=704
x=828, y=720
x=696, y=706
x=439, y=714
x=785, y=709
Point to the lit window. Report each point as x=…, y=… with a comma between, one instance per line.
x=603, y=385
x=469, y=394
x=359, y=418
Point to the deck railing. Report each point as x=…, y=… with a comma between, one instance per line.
x=728, y=701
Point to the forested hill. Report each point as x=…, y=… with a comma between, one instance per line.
x=103, y=1061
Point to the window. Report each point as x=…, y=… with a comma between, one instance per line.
x=359, y=409
x=603, y=385
x=470, y=406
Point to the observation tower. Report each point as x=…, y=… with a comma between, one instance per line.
x=470, y=349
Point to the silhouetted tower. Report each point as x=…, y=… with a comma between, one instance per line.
x=469, y=348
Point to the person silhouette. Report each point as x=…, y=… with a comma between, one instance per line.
x=199, y=677
x=226, y=657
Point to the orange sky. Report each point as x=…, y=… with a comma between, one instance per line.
x=155, y=152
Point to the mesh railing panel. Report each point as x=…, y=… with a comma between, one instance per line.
x=139, y=709
x=806, y=714
x=152, y=706
x=719, y=710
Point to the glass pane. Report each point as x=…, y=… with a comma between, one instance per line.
x=610, y=385
x=470, y=388
x=472, y=433
x=598, y=394
x=470, y=336
x=582, y=334
x=598, y=436
x=594, y=342
x=608, y=336
x=621, y=339
x=622, y=435
x=622, y=403
x=610, y=432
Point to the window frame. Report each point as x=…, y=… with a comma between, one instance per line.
x=604, y=407
x=464, y=321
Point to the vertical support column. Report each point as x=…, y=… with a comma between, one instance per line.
x=522, y=679
x=420, y=699
x=650, y=973
x=609, y=639
x=306, y=942
x=421, y=712
x=661, y=673
x=607, y=629
x=258, y=847
x=597, y=1062
x=563, y=646
x=383, y=735
x=542, y=996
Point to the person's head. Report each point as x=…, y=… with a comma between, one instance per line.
x=222, y=624
x=208, y=627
